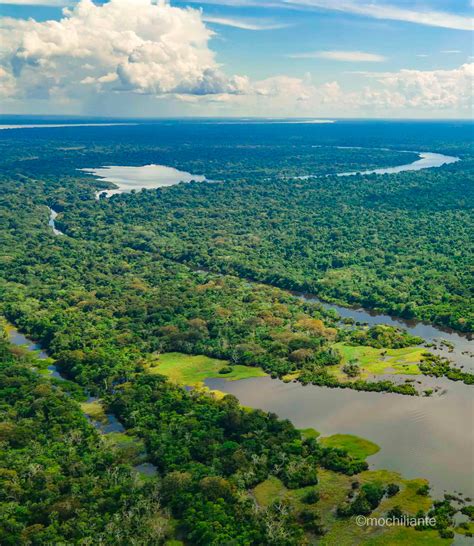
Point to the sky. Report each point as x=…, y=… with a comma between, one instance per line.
x=265, y=58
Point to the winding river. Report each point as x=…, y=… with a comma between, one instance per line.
x=17, y=338
x=52, y=224
x=428, y=437
x=426, y=161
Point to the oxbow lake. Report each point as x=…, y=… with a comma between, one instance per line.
x=138, y=178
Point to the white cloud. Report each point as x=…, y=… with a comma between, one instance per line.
x=346, y=56
x=54, y=3
x=7, y=84
x=413, y=93
x=244, y=24
x=143, y=48
x=284, y=86
x=430, y=89
x=450, y=51
x=376, y=10
x=123, y=45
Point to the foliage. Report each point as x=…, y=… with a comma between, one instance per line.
x=58, y=482
x=210, y=451
x=368, y=498
x=382, y=336
x=438, y=366
x=128, y=286
x=292, y=234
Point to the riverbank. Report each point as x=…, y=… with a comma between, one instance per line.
x=418, y=436
x=421, y=432
x=114, y=433
x=104, y=422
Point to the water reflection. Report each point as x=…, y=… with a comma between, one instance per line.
x=461, y=352
x=17, y=338
x=137, y=178
x=419, y=437
x=52, y=224
x=427, y=160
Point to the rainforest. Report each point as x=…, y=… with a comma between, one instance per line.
x=150, y=334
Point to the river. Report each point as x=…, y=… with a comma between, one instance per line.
x=419, y=437
x=52, y=224
x=17, y=338
x=427, y=160
x=128, y=178
x=459, y=347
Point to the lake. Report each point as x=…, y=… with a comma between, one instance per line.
x=128, y=178
x=419, y=436
x=138, y=178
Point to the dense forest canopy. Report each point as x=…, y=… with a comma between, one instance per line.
x=203, y=269
x=400, y=243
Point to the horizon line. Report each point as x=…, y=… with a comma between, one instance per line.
x=249, y=118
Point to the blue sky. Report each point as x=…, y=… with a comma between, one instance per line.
x=338, y=58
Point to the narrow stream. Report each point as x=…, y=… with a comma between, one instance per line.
x=52, y=217
x=111, y=423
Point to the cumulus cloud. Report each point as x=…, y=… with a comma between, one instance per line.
x=296, y=90
x=430, y=88
x=124, y=45
x=7, y=84
x=277, y=86
x=141, y=47
x=410, y=92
